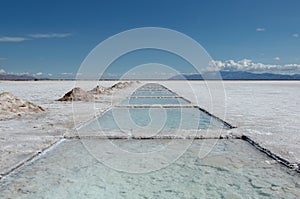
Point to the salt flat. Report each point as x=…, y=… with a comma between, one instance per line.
x=268, y=112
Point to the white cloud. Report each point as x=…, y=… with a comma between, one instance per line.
x=67, y=74
x=39, y=74
x=296, y=35
x=50, y=35
x=12, y=39
x=2, y=71
x=277, y=58
x=3, y=59
x=35, y=36
x=249, y=65
x=260, y=29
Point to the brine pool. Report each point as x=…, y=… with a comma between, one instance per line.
x=158, y=119
x=154, y=107
x=153, y=100
x=232, y=168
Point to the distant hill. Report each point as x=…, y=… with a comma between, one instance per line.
x=16, y=77
x=226, y=75
x=238, y=75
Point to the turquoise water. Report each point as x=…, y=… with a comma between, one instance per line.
x=137, y=119
x=153, y=90
x=152, y=86
x=153, y=94
x=161, y=118
x=159, y=89
x=233, y=169
x=152, y=100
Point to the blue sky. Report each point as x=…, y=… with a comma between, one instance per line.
x=51, y=36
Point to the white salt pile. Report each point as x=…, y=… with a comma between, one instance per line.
x=120, y=85
x=77, y=94
x=98, y=90
x=12, y=105
x=104, y=90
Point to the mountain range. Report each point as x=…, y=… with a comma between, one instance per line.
x=16, y=77
x=225, y=75
x=237, y=75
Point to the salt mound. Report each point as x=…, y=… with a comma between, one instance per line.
x=121, y=85
x=104, y=90
x=98, y=90
x=11, y=104
x=77, y=94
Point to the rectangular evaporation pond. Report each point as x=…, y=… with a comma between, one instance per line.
x=153, y=87
x=231, y=169
x=141, y=119
x=145, y=100
x=156, y=87
x=152, y=90
x=154, y=94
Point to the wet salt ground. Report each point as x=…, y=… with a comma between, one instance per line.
x=233, y=169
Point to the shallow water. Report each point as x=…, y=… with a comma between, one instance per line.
x=167, y=94
x=233, y=169
x=137, y=119
x=146, y=117
x=153, y=100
